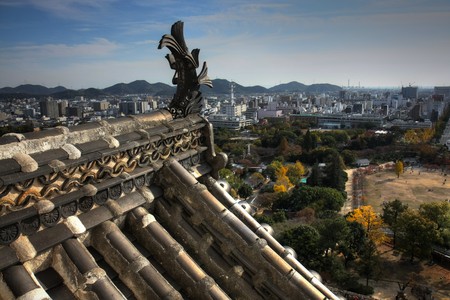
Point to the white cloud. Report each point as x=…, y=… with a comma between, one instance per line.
x=62, y=8
x=96, y=48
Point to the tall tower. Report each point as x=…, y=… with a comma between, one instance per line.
x=232, y=93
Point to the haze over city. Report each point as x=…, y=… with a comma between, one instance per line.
x=97, y=43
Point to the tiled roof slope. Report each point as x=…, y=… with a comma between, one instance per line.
x=131, y=209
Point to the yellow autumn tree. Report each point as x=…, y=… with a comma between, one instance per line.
x=419, y=136
x=283, y=184
x=372, y=223
x=296, y=170
x=398, y=168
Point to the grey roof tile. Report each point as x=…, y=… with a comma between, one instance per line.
x=7, y=139
x=8, y=166
x=46, y=157
x=200, y=244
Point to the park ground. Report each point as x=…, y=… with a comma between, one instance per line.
x=413, y=187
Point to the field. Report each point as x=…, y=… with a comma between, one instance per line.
x=414, y=187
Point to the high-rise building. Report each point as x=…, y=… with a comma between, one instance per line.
x=100, y=106
x=410, y=92
x=49, y=108
x=442, y=90
x=75, y=111
x=62, y=106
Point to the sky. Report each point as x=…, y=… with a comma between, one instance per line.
x=98, y=43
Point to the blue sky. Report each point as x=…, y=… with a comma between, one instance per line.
x=97, y=43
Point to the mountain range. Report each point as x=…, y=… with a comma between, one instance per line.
x=220, y=86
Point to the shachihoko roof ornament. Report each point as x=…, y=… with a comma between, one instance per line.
x=187, y=98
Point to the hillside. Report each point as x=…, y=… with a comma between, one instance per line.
x=220, y=86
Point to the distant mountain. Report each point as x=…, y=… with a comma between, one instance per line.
x=223, y=86
x=89, y=93
x=140, y=87
x=322, y=88
x=220, y=86
x=32, y=89
x=292, y=86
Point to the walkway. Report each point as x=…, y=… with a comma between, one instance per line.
x=348, y=205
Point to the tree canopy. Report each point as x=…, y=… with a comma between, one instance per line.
x=371, y=222
x=391, y=213
x=318, y=198
x=416, y=234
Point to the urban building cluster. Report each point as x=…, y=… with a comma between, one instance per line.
x=49, y=112
x=347, y=108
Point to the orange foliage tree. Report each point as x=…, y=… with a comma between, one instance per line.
x=372, y=223
x=283, y=184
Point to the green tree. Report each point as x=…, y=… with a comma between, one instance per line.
x=335, y=177
x=315, y=178
x=245, y=191
x=436, y=212
x=228, y=175
x=309, y=141
x=305, y=240
x=333, y=232
x=348, y=156
x=369, y=261
x=416, y=234
x=352, y=245
x=318, y=198
x=391, y=212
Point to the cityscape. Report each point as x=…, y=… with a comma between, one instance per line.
x=336, y=108
x=303, y=153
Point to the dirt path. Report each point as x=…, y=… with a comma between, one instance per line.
x=348, y=205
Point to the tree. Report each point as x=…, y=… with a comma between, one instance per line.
x=283, y=184
x=348, y=156
x=304, y=239
x=391, y=213
x=398, y=168
x=369, y=262
x=371, y=222
x=333, y=232
x=295, y=172
x=272, y=169
x=315, y=178
x=335, y=177
x=318, y=198
x=231, y=178
x=256, y=179
x=308, y=141
x=352, y=245
x=284, y=146
x=245, y=191
x=436, y=212
x=416, y=234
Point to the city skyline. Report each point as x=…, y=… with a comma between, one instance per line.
x=82, y=44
